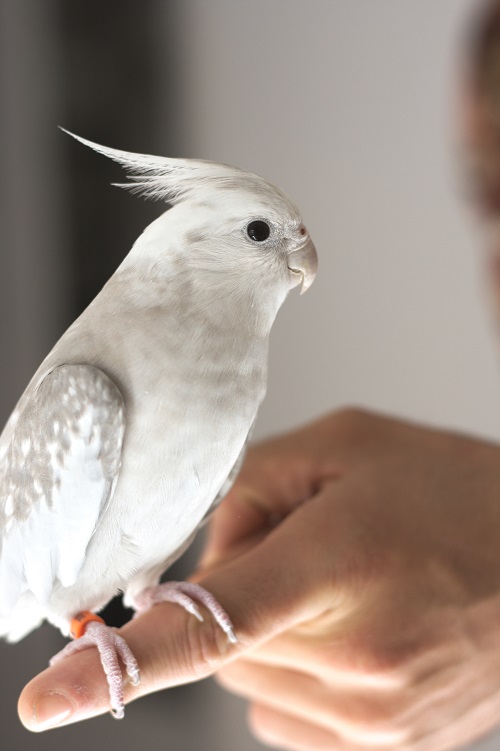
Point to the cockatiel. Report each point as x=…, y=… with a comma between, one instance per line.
x=134, y=426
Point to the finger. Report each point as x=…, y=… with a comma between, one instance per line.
x=325, y=656
x=358, y=717
x=280, y=474
x=280, y=730
x=277, y=476
x=75, y=688
x=264, y=594
x=241, y=520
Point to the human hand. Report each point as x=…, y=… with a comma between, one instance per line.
x=367, y=617
x=392, y=574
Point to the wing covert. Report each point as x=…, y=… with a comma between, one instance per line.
x=57, y=470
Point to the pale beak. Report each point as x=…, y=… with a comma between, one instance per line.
x=303, y=264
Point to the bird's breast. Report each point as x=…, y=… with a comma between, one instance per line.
x=186, y=425
x=191, y=396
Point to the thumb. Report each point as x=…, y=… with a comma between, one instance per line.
x=265, y=591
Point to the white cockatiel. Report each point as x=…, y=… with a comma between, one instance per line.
x=135, y=424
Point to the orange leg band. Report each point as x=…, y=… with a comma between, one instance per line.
x=80, y=622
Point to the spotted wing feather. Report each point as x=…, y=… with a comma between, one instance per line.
x=59, y=459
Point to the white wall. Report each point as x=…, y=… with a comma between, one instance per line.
x=349, y=106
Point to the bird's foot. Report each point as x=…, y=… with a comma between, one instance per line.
x=112, y=648
x=187, y=595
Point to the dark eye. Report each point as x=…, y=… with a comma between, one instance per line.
x=258, y=231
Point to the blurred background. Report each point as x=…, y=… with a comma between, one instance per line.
x=350, y=107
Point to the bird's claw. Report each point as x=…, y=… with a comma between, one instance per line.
x=185, y=594
x=112, y=648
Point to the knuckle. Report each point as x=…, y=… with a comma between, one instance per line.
x=262, y=727
x=385, y=718
x=206, y=647
x=351, y=413
x=354, y=427
x=384, y=668
x=366, y=664
x=351, y=418
x=376, y=716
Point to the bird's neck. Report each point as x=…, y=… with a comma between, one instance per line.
x=194, y=285
x=234, y=308
x=194, y=301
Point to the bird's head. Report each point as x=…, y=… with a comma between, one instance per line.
x=230, y=225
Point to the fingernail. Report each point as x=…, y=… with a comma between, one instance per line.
x=51, y=709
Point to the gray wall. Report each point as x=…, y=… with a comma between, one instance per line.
x=347, y=105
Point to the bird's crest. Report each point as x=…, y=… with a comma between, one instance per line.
x=165, y=179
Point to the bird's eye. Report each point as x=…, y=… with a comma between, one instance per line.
x=258, y=231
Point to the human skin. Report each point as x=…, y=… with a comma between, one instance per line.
x=359, y=559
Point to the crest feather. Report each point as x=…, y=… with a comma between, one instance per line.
x=161, y=178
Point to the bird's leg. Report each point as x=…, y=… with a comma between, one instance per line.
x=187, y=595
x=88, y=630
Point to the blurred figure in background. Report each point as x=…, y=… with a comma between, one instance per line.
x=481, y=121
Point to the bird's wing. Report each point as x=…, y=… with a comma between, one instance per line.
x=59, y=460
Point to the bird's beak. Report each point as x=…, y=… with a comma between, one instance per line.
x=303, y=265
